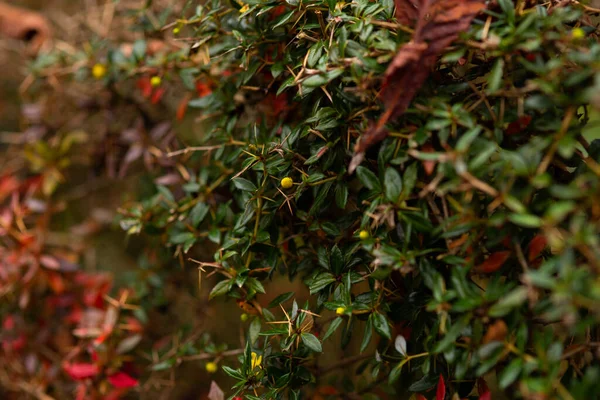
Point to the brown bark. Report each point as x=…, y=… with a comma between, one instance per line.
x=21, y=24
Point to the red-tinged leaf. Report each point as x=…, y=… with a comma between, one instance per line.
x=79, y=371
x=536, y=246
x=9, y=323
x=157, y=95
x=122, y=380
x=439, y=24
x=493, y=262
x=519, y=125
x=419, y=396
x=486, y=396
x=440, y=393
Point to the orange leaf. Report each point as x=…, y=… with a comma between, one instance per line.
x=182, y=108
x=493, y=262
x=496, y=332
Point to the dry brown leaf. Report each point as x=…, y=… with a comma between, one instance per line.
x=439, y=24
x=18, y=23
x=496, y=332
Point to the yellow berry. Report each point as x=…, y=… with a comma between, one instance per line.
x=287, y=182
x=577, y=33
x=364, y=235
x=340, y=310
x=211, y=367
x=98, y=71
x=176, y=30
x=155, y=81
x=244, y=317
x=244, y=9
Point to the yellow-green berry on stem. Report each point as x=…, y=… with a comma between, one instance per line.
x=244, y=317
x=176, y=30
x=155, y=81
x=340, y=310
x=287, y=182
x=211, y=367
x=364, y=235
x=577, y=33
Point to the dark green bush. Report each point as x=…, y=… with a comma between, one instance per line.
x=465, y=247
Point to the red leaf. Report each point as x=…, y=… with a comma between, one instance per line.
x=537, y=244
x=486, y=396
x=493, y=262
x=157, y=95
x=420, y=397
x=80, y=371
x=441, y=389
x=145, y=86
x=439, y=24
x=122, y=380
x=518, y=125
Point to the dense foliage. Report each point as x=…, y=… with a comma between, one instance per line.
x=461, y=255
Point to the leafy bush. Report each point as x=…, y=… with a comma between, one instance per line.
x=463, y=249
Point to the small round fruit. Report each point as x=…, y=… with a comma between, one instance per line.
x=244, y=317
x=155, y=81
x=98, y=71
x=364, y=235
x=211, y=367
x=287, y=182
x=176, y=30
x=340, y=311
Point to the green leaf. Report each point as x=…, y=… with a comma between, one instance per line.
x=254, y=330
x=198, y=213
x=495, y=77
x=220, y=288
x=282, y=19
x=368, y=178
x=509, y=302
x=244, y=184
x=311, y=342
x=526, y=220
x=381, y=325
x=282, y=298
x=341, y=195
x=510, y=373
x=367, y=336
x=333, y=327
x=321, y=281
x=393, y=184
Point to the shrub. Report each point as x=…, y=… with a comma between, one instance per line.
x=462, y=249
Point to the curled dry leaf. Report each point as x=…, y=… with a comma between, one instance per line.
x=18, y=23
x=439, y=23
x=496, y=332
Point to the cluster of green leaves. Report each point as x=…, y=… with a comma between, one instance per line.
x=475, y=223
